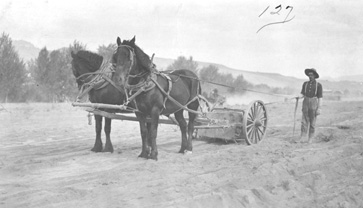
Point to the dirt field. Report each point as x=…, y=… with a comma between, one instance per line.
x=45, y=161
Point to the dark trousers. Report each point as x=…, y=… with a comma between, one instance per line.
x=310, y=105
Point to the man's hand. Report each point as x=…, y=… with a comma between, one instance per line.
x=318, y=112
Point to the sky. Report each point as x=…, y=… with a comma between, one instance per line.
x=325, y=35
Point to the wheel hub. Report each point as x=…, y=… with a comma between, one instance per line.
x=257, y=123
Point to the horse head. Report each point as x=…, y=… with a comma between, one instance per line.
x=124, y=60
x=131, y=61
x=84, y=62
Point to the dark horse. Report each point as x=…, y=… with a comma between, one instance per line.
x=85, y=66
x=153, y=93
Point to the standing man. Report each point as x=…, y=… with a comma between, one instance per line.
x=312, y=92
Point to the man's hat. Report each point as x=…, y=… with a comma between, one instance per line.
x=312, y=70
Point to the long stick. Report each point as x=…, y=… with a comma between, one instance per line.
x=297, y=103
x=215, y=83
x=100, y=105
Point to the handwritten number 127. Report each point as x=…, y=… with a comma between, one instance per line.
x=277, y=12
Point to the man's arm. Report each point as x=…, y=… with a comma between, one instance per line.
x=302, y=93
x=320, y=102
x=320, y=99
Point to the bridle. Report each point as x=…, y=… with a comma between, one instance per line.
x=132, y=76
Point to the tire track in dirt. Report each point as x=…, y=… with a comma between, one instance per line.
x=51, y=167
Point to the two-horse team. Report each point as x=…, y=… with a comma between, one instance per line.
x=131, y=80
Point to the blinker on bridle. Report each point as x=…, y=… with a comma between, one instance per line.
x=132, y=59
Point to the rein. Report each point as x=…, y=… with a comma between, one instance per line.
x=146, y=85
x=98, y=80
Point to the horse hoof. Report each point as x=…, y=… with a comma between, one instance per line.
x=96, y=149
x=144, y=155
x=108, y=150
x=187, y=152
x=153, y=156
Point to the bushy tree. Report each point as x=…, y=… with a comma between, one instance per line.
x=225, y=79
x=240, y=84
x=12, y=71
x=107, y=51
x=209, y=73
x=61, y=75
x=77, y=46
x=52, y=74
x=182, y=63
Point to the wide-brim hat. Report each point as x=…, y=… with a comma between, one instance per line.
x=307, y=71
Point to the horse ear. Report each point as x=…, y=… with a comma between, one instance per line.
x=133, y=40
x=118, y=41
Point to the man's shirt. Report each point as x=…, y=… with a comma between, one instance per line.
x=312, y=89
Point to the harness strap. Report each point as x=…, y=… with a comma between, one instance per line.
x=83, y=92
x=306, y=83
x=146, y=86
x=173, y=100
x=113, y=84
x=100, y=79
x=170, y=85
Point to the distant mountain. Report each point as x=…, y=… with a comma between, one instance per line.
x=354, y=78
x=347, y=83
x=271, y=79
x=26, y=50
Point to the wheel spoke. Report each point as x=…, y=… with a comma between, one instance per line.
x=261, y=112
x=249, y=129
x=256, y=136
x=253, y=136
x=252, y=113
x=257, y=113
x=254, y=109
x=249, y=132
x=249, y=125
x=262, y=133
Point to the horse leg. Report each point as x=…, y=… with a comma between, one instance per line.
x=194, y=105
x=192, y=117
x=107, y=129
x=155, y=113
x=98, y=143
x=148, y=137
x=145, y=151
x=183, y=128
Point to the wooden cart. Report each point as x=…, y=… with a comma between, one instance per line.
x=248, y=124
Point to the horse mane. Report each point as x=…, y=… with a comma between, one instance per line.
x=141, y=56
x=92, y=60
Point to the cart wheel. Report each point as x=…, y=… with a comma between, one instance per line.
x=255, y=122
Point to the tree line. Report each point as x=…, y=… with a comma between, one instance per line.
x=49, y=77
